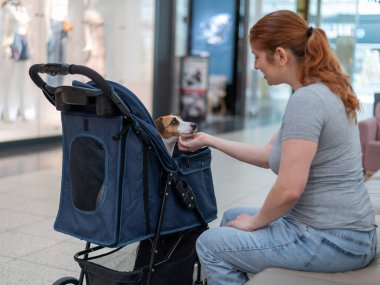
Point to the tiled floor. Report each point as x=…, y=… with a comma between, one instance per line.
x=32, y=253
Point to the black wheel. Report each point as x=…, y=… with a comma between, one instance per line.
x=66, y=280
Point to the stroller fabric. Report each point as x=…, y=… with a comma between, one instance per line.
x=113, y=174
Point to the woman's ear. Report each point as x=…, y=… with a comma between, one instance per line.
x=281, y=56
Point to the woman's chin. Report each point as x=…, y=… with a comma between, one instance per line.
x=271, y=83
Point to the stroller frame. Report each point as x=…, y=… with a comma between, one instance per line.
x=111, y=104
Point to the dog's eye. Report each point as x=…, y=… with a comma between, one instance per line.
x=174, y=122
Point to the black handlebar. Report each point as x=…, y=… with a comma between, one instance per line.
x=65, y=69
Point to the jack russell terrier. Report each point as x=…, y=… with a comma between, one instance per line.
x=171, y=127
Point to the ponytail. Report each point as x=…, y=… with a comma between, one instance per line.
x=321, y=64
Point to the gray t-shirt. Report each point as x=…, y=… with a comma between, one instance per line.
x=335, y=195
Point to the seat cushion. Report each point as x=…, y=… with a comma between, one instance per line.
x=373, y=187
x=372, y=154
x=377, y=116
x=369, y=275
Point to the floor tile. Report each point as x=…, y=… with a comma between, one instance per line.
x=4, y=259
x=42, y=229
x=20, y=272
x=59, y=255
x=40, y=177
x=39, y=207
x=43, y=192
x=10, y=201
x=9, y=183
x=11, y=219
x=16, y=245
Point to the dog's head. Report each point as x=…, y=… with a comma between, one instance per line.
x=173, y=126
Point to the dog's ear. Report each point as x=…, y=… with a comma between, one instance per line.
x=159, y=125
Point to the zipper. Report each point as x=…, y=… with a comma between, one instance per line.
x=121, y=176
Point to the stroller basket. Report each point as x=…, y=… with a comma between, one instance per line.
x=175, y=261
x=119, y=184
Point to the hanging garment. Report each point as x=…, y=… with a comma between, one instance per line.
x=94, y=37
x=56, y=49
x=19, y=47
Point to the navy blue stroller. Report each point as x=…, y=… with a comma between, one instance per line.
x=120, y=186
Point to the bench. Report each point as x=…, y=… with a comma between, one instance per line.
x=370, y=275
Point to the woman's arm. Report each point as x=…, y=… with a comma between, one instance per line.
x=296, y=158
x=252, y=154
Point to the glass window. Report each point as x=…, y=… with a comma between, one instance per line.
x=366, y=71
x=352, y=29
x=113, y=37
x=266, y=102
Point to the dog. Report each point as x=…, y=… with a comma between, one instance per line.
x=171, y=127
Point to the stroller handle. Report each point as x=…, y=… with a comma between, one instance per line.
x=65, y=69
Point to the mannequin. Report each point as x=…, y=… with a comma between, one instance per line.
x=14, y=56
x=94, y=39
x=58, y=27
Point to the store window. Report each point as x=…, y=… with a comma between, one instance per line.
x=264, y=101
x=366, y=71
x=113, y=37
x=352, y=28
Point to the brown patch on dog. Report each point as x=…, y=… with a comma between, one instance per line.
x=167, y=126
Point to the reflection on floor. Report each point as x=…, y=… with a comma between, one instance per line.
x=27, y=156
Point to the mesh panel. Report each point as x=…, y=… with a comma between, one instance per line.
x=87, y=172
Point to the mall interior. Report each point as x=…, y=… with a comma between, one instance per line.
x=185, y=57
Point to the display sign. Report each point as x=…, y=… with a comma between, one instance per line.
x=194, y=75
x=193, y=87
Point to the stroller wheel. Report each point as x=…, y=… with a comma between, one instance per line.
x=66, y=280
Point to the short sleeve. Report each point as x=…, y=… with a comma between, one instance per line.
x=304, y=116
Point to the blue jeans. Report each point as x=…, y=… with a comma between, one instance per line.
x=227, y=254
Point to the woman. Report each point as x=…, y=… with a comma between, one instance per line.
x=317, y=215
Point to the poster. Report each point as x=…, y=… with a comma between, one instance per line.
x=193, y=87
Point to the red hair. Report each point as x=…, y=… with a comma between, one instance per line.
x=317, y=62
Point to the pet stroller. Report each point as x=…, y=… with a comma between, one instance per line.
x=120, y=186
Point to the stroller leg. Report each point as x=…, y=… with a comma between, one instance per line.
x=81, y=277
x=199, y=280
x=168, y=184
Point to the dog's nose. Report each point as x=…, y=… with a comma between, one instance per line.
x=193, y=126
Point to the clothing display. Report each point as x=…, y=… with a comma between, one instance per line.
x=14, y=29
x=57, y=13
x=19, y=47
x=56, y=49
x=73, y=32
x=94, y=39
x=14, y=54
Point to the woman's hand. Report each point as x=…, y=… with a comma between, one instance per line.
x=193, y=142
x=243, y=222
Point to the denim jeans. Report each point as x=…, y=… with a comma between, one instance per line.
x=228, y=254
